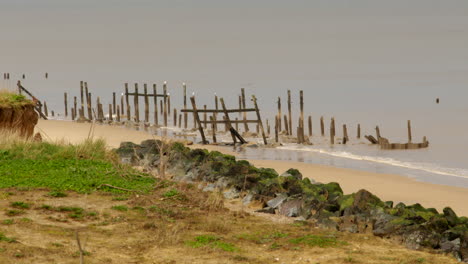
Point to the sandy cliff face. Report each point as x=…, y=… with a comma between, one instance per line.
x=21, y=120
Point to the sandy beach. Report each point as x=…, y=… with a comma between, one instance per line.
x=386, y=186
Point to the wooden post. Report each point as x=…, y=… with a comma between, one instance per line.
x=180, y=120
x=161, y=108
x=204, y=116
x=114, y=104
x=279, y=113
x=135, y=102
x=88, y=102
x=268, y=127
x=215, y=115
x=409, y=132
x=75, y=106
x=45, y=109
x=145, y=89
x=98, y=105
x=155, y=102
x=82, y=100
x=90, y=110
x=213, y=124
x=259, y=118
x=197, y=120
x=175, y=117
x=129, y=117
x=66, y=104
x=277, y=128
x=286, y=125
x=72, y=112
x=240, y=105
x=53, y=113
x=332, y=132
x=228, y=121
x=345, y=134
x=169, y=104
x=322, y=126
x=310, y=125
x=290, y=113
x=246, y=126
x=301, y=104
x=110, y=113
x=185, y=106
x=118, y=113
x=359, y=131
x=121, y=105
x=237, y=123
x=377, y=131
x=165, y=103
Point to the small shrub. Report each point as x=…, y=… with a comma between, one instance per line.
x=8, y=222
x=171, y=193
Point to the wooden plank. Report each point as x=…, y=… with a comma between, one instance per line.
x=66, y=104
x=204, y=116
x=197, y=119
x=90, y=109
x=246, y=126
x=155, y=102
x=345, y=134
x=237, y=135
x=127, y=102
x=213, y=128
x=145, y=91
x=175, y=117
x=136, y=105
x=290, y=113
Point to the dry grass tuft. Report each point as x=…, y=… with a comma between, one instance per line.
x=214, y=202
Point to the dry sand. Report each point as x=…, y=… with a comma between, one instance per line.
x=386, y=186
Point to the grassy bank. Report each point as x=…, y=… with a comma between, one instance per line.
x=82, y=168
x=10, y=99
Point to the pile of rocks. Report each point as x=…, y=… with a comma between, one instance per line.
x=292, y=195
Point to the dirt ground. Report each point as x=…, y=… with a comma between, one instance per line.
x=163, y=227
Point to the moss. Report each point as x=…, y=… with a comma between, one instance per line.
x=346, y=201
x=9, y=99
x=401, y=221
x=426, y=215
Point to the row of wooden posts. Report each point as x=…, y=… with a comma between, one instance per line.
x=117, y=112
x=6, y=76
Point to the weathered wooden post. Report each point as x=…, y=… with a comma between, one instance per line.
x=290, y=113
x=129, y=117
x=135, y=102
x=213, y=124
x=246, y=126
x=228, y=121
x=75, y=106
x=121, y=104
x=197, y=120
x=90, y=109
x=155, y=102
x=45, y=109
x=332, y=131
x=114, y=104
x=66, y=104
x=53, y=113
x=240, y=105
x=165, y=103
x=145, y=90
x=310, y=125
x=204, y=116
x=286, y=125
x=322, y=126
x=259, y=118
x=345, y=134
x=72, y=111
x=279, y=113
x=110, y=113
x=268, y=127
x=237, y=123
x=88, y=102
x=175, y=117
x=180, y=120
x=359, y=131
x=98, y=104
x=301, y=104
x=277, y=128
x=118, y=113
x=409, y=132
x=185, y=106
x=81, y=112
x=215, y=114
x=377, y=131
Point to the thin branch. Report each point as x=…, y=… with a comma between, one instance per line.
x=79, y=247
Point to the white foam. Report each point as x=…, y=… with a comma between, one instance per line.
x=427, y=167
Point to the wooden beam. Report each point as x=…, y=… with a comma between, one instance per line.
x=254, y=99
x=197, y=119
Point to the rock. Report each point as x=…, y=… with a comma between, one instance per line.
x=363, y=203
x=247, y=199
x=222, y=183
x=209, y=188
x=388, y=204
x=276, y=202
x=128, y=153
x=450, y=246
x=292, y=172
x=451, y=217
x=266, y=210
x=291, y=208
x=231, y=193
x=37, y=137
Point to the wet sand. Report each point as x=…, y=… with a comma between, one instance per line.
x=386, y=186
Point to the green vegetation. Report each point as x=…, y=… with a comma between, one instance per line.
x=211, y=241
x=122, y=208
x=317, y=241
x=6, y=239
x=83, y=168
x=57, y=194
x=10, y=99
x=171, y=193
x=8, y=222
x=20, y=205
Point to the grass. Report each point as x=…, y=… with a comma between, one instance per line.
x=20, y=205
x=317, y=241
x=10, y=99
x=57, y=194
x=83, y=167
x=6, y=239
x=122, y=208
x=212, y=242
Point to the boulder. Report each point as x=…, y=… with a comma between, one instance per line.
x=291, y=208
x=276, y=202
x=451, y=217
x=292, y=172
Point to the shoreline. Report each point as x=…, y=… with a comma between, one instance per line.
x=392, y=187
